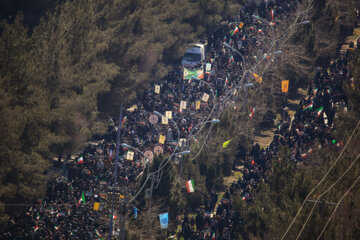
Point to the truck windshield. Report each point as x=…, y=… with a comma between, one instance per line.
x=192, y=57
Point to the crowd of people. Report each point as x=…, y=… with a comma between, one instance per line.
x=77, y=205
x=313, y=122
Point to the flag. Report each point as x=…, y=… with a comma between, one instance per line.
x=96, y=206
x=57, y=227
x=164, y=219
x=124, y=120
x=309, y=107
x=213, y=236
x=231, y=60
x=135, y=212
x=243, y=38
x=260, y=30
x=320, y=110
x=241, y=25
x=226, y=143
x=80, y=160
x=272, y=14
x=315, y=91
x=252, y=111
x=36, y=228
x=190, y=186
x=226, y=80
x=233, y=32
x=303, y=155
x=97, y=233
x=257, y=77
x=82, y=199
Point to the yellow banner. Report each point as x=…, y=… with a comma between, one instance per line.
x=96, y=206
x=241, y=25
x=284, y=86
x=257, y=77
x=197, y=104
x=162, y=139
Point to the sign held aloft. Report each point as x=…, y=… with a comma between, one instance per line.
x=284, y=86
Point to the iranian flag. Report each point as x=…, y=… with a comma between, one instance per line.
x=190, y=186
x=252, y=110
x=309, y=107
x=57, y=227
x=36, y=228
x=226, y=80
x=124, y=120
x=82, y=199
x=231, y=60
x=315, y=91
x=80, y=160
x=243, y=37
x=272, y=14
x=98, y=233
x=233, y=32
x=319, y=111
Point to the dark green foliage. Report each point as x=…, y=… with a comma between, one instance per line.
x=82, y=55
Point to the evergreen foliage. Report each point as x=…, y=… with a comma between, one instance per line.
x=83, y=57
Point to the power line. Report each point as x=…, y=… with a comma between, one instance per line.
x=326, y=174
x=322, y=231
x=322, y=194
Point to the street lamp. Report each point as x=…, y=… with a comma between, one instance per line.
x=234, y=50
x=304, y=22
x=214, y=121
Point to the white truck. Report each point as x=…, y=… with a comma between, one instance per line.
x=194, y=56
x=193, y=61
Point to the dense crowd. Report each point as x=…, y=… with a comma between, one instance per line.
x=313, y=121
x=77, y=205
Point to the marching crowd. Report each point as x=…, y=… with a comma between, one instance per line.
x=77, y=205
x=313, y=121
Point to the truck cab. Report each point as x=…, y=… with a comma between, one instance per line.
x=194, y=56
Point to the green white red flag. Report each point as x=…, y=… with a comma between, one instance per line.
x=190, y=186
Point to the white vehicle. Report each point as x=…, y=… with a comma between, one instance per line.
x=194, y=56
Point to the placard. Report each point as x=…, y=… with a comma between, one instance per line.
x=183, y=105
x=168, y=114
x=205, y=97
x=157, y=89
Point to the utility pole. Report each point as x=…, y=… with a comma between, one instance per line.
x=122, y=218
x=115, y=174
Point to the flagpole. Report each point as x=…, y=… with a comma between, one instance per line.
x=116, y=172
